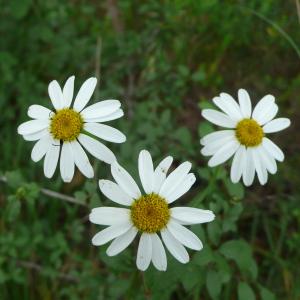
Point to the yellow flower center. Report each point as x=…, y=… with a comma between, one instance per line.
x=249, y=133
x=66, y=125
x=150, y=213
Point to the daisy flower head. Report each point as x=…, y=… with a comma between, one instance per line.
x=149, y=214
x=245, y=137
x=62, y=134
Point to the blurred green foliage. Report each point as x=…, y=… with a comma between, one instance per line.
x=164, y=60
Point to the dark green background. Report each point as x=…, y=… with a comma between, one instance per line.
x=165, y=60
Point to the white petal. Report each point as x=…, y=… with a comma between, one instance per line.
x=39, y=112
x=144, y=253
x=32, y=126
x=125, y=181
x=215, y=136
x=113, y=192
x=85, y=93
x=51, y=158
x=276, y=125
x=146, y=171
x=268, y=160
x=109, y=215
x=218, y=118
x=191, y=215
x=249, y=169
x=259, y=168
x=159, y=257
x=160, y=173
x=273, y=149
x=263, y=106
x=224, y=153
x=55, y=94
x=226, y=103
x=102, y=109
x=122, y=242
x=105, y=132
x=37, y=135
x=97, y=149
x=238, y=164
x=81, y=160
x=67, y=165
x=184, y=235
x=174, y=179
x=68, y=91
x=268, y=115
x=182, y=188
x=40, y=148
x=215, y=146
x=174, y=247
x=113, y=116
x=110, y=233
x=245, y=103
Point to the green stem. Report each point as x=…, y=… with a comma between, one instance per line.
x=209, y=188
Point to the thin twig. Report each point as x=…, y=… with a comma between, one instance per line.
x=114, y=12
x=36, y=267
x=298, y=9
x=61, y=196
x=147, y=292
x=53, y=194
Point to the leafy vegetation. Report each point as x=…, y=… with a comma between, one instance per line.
x=165, y=60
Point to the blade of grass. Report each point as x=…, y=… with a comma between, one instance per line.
x=275, y=26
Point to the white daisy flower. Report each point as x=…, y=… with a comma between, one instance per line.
x=65, y=131
x=246, y=137
x=150, y=213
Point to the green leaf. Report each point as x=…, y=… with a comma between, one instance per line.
x=205, y=128
x=231, y=216
x=206, y=104
x=245, y=292
x=81, y=196
x=199, y=75
x=240, y=252
x=162, y=284
x=213, y=284
x=90, y=187
x=223, y=266
x=190, y=282
x=183, y=135
x=203, y=257
x=265, y=294
x=13, y=208
x=14, y=179
x=214, y=231
x=116, y=291
x=236, y=190
x=19, y=8
x=2, y=276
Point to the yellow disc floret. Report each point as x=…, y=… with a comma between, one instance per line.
x=66, y=125
x=249, y=133
x=150, y=213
